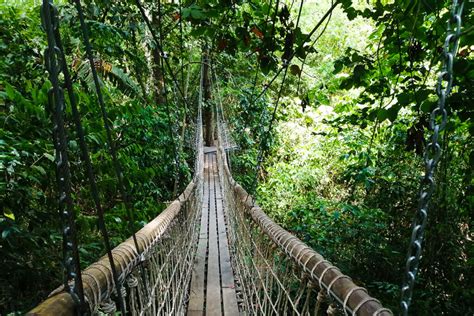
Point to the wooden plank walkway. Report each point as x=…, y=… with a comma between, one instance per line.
x=212, y=284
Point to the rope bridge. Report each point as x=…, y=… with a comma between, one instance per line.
x=212, y=251
x=220, y=255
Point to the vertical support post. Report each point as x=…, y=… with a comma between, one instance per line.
x=208, y=112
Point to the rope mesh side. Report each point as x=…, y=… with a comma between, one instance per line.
x=277, y=273
x=166, y=249
x=169, y=250
x=168, y=265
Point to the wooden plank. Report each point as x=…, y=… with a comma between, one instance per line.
x=210, y=149
x=230, y=302
x=229, y=296
x=213, y=299
x=214, y=290
x=196, y=299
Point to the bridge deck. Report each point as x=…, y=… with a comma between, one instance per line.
x=212, y=284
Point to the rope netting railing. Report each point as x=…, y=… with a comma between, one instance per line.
x=167, y=246
x=277, y=273
x=154, y=278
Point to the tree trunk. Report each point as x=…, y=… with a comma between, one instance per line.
x=158, y=79
x=207, y=110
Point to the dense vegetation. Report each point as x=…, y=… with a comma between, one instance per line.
x=31, y=237
x=341, y=159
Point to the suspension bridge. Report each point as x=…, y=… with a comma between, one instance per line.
x=212, y=251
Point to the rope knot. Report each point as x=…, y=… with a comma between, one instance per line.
x=108, y=306
x=132, y=281
x=321, y=296
x=332, y=310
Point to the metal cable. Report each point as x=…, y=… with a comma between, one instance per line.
x=53, y=62
x=264, y=29
x=89, y=168
x=181, y=41
x=262, y=150
x=432, y=155
x=167, y=107
x=272, y=32
x=287, y=64
x=160, y=49
x=310, y=47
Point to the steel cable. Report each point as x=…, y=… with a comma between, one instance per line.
x=168, y=112
x=160, y=49
x=307, y=38
x=89, y=170
x=53, y=62
x=266, y=133
x=438, y=120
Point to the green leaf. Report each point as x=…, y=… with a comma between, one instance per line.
x=471, y=129
x=372, y=115
x=194, y=11
x=5, y=233
x=427, y=106
x=382, y=114
x=49, y=156
x=359, y=71
x=392, y=113
x=40, y=169
x=337, y=66
x=351, y=13
x=198, y=14
x=295, y=70
x=460, y=66
x=198, y=31
x=404, y=98
x=422, y=95
x=11, y=92
x=9, y=214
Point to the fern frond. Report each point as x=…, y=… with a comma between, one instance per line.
x=112, y=73
x=123, y=81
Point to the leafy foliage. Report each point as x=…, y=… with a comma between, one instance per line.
x=344, y=167
x=29, y=225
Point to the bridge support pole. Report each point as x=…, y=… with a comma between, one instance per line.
x=207, y=109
